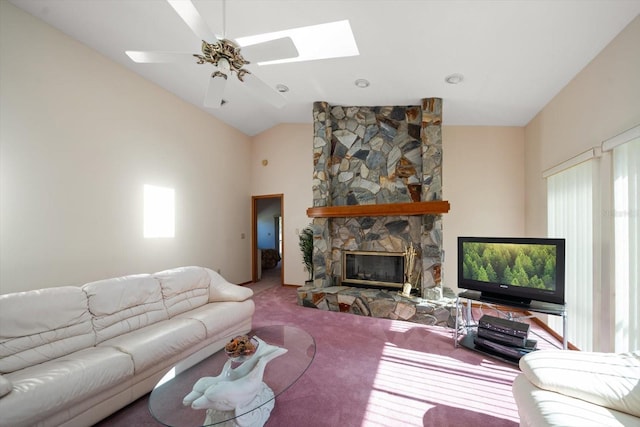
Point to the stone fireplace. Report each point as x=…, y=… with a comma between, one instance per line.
x=377, y=187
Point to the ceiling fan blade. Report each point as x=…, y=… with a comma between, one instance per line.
x=215, y=90
x=160, y=57
x=190, y=15
x=271, y=50
x=262, y=90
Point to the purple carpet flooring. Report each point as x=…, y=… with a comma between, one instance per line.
x=375, y=372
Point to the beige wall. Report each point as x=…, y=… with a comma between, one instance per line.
x=288, y=150
x=483, y=179
x=79, y=137
x=483, y=175
x=80, y=140
x=602, y=101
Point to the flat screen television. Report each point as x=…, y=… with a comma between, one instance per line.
x=513, y=270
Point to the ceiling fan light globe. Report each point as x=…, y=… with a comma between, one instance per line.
x=223, y=66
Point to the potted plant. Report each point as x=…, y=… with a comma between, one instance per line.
x=306, y=247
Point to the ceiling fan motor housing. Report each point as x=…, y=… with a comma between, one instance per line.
x=212, y=53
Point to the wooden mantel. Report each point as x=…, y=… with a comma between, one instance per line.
x=389, y=209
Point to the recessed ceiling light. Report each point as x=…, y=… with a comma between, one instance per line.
x=454, y=79
x=362, y=83
x=282, y=88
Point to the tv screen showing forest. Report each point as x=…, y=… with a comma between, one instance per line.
x=526, y=265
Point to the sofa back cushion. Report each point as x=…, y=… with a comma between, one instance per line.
x=124, y=304
x=184, y=288
x=39, y=325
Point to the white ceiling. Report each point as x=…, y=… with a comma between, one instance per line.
x=514, y=55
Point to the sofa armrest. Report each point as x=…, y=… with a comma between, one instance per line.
x=5, y=386
x=544, y=408
x=607, y=379
x=221, y=290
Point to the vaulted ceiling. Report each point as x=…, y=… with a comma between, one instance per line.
x=514, y=56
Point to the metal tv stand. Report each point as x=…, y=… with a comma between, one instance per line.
x=534, y=306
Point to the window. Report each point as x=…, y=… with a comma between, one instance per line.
x=570, y=216
x=626, y=217
x=159, y=211
x=594, y=203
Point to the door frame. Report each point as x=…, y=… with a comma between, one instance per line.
x=254, y=235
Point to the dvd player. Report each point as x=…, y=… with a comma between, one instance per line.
x=504, y=326
x=514, y=352
x=512, y=340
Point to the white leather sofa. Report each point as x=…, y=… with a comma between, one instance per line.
x=574, y=388
x=70, y=356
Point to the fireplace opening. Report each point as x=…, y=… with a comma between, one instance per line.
x=373, y=269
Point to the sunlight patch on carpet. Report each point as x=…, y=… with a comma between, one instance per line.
x=402, y=326
x=409, y=383
x=386, y=409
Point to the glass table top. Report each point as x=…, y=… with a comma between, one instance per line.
x=165, y=401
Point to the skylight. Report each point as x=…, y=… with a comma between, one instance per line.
x=330, y=40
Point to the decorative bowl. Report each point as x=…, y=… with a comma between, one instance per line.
x=241, y=348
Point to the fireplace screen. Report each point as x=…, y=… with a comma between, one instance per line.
x=375, y=269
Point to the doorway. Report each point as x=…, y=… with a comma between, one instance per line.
x=267, y=225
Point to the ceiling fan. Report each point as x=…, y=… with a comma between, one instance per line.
x=224, y=55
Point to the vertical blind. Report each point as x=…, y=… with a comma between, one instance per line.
x=570, y=216
x=626, y=176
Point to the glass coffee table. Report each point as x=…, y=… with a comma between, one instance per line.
x=165, y=401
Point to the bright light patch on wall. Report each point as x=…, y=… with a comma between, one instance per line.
x=330, y=40
x=159, y=211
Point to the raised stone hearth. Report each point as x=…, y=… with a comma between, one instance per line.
x=384, y=304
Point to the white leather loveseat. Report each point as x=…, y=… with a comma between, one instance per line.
x=73, y=355
x=575, y=388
